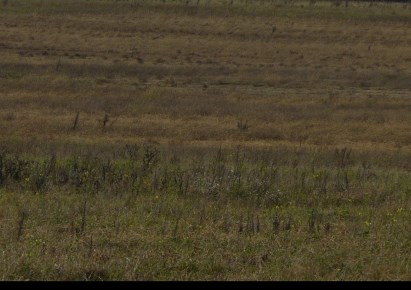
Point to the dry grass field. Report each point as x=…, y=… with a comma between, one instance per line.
x=205, y=140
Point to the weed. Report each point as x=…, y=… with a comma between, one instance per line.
x=242, y=126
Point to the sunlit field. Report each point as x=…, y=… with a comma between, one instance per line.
x=205, y=140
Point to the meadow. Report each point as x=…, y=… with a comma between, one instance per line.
x=205, y=140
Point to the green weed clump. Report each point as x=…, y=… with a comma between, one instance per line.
x=307, y=177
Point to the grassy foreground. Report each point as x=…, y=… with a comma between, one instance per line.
x=246, y=215
x=203, y=140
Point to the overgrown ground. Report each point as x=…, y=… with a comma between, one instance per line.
x=170, y=140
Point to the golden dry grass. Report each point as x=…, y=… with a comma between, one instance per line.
x=192, y=76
